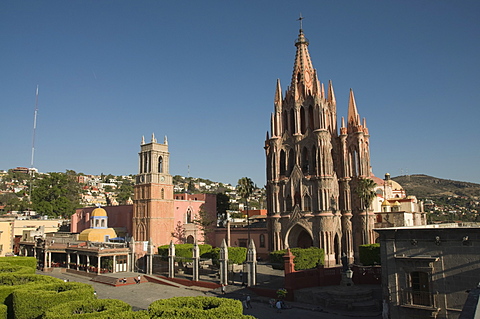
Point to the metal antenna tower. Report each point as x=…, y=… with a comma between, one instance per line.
x=32, y=171
x=34, y=127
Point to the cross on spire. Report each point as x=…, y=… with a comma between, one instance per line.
x=301, y=22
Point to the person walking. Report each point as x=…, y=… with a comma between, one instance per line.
x=247, y=301
x=223, y=289
x=279, y=306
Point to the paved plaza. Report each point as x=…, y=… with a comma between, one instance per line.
x=140, y=296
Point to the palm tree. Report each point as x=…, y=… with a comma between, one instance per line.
x=366, y=192
x=245, y=188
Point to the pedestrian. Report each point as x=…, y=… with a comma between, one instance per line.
x=139, y=279
x=249, y=305
x=223, y=289
x=279, y=306
x=241, y=277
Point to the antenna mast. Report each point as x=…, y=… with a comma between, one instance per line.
x=34, y=127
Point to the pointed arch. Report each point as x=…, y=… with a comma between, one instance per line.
x=283, y=163
x=160, y=164
x=303, y=122
x=292, y=121
x=291, y=161
x=311, y=124
x=307, y=203
x=305, y=161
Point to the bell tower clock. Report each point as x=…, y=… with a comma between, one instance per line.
x=153, y=207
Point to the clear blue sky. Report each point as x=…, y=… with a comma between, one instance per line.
x=204, y=72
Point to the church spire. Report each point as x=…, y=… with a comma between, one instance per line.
x=303, y=72
x=353, y=116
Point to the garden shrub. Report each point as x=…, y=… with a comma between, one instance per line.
x=3, y=311
x=6, y=268
x=30, y=262
x=12, y=281
x=94, y=308
x=236, y=255
x=184, y=250
x=305, y=258
x=370, y=254
x=196, y=307
x=33, y=301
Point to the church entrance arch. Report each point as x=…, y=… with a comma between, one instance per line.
x=299, y=237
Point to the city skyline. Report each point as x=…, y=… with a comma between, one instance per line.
x=204, y=74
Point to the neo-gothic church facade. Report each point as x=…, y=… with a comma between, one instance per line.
x=313, y=167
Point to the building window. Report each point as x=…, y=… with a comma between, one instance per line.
x=160, y=164
x=189, y=216
x=262, y=240
x=420, y=289
x=242, y=242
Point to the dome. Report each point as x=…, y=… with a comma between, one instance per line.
x=396, y=203
x=99, y=212
x=96, y=234
x=386, y=203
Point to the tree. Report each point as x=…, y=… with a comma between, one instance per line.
x=366, y=193
x=204, y=222
x=223, y=204
x=179, y=233
x=56, y=194
x=245, y=188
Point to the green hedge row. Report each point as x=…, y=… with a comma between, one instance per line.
x=3, y=311
x=305, y=258
x=30, y=262
x=6, y=268
x=97, y=308
x=197, y=307
x=184, y=250
x=370, y=254
x=33, y=301
x=236, y=255
x=12, y=281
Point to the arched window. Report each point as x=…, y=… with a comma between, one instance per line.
x=291, y=161
x=262, y=240
x=160, y=164
x=313, y=161
x=103, y=223
x=298, y=199
x=288, y=203
x=305, y=162
x=307, y=203
x=285, y=121
x=310, y=118
x=283, y=163
x=189, y=216
x=292, y=121
x=303, y=122
x=162, y=193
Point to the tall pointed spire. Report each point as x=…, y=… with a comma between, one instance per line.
x=353, y=116
x=331, y=94
x=303, y=72
x=278, y=97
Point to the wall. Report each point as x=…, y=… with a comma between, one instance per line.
x=449, y=261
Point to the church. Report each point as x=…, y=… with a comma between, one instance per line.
x=313, y=167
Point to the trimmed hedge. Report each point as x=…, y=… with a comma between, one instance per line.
x=33, y=301
x=184, y=250
x=196, y=307
x=3, y=311
x=30, y=262
x=12, y=281
x=236, y=255
x=370, y=254
x=305, y=258
x=95, y=308
x=6, y=268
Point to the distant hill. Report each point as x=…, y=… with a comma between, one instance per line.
x=424, y=186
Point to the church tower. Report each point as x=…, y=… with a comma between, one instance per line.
x=311, y=168
x=153, y=209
